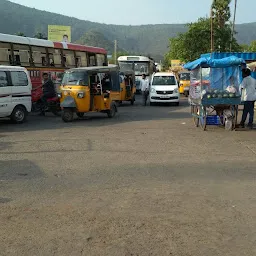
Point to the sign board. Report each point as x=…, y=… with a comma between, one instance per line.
x=58, y=33
x=175, y=63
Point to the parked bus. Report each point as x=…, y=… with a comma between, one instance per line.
x=140, y=65
x=39, y=56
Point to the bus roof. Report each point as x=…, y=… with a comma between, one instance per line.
x=47, y=43
x=12, y=68
x=134, y=58
x=96, y=68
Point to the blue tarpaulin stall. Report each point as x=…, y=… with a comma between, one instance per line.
x=215, y=84
x=207, y=62
x=248, y=57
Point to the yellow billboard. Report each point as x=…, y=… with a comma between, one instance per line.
x=58, y=33
x=175, y=63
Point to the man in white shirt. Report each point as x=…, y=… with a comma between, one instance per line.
x=144, y=88
x=248, y=89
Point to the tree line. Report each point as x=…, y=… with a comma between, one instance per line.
x=190, y=45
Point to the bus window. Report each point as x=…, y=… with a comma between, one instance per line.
x=50, y=59
x=100, y=59
x=57, y=58
x=92, y=60
x=5, y=54
x=81, y=59
x=39, y=56
x=69, y=59
x=21, y=54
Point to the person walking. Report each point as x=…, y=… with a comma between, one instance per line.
x=248, y=91
x=144, y=89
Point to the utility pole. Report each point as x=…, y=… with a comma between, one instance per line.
x=212, y=42
x=115, y=51
x=233, y=27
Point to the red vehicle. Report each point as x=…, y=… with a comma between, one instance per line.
x=40, y=56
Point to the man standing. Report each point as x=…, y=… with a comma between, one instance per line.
x=48, y=91
x=248, y=89
x=144, y=89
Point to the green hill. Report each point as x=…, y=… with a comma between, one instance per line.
x=97, y=39
x=146, y=39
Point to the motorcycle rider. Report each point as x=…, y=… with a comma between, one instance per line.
x=48, y=91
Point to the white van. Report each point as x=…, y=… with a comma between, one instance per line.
x=164, y=88
x=15, y=93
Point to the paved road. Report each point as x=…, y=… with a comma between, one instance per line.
x=145, y=183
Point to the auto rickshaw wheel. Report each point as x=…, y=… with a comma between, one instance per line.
x=80, y=114
x=67, y=115
x=112, y=111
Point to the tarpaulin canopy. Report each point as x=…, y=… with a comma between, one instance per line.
x=206, y=62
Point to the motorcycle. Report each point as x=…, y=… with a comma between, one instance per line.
x=53, y=104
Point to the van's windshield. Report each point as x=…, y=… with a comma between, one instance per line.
x=75, y=78
x=164, y=80
x=185, y=76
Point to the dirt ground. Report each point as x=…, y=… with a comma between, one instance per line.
x=144, y=183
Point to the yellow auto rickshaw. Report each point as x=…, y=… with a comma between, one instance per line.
x=128, y=87
x=184, y=82
x=89, y=89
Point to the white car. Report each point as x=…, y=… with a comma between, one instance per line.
x=15, y=93
x=164, y=88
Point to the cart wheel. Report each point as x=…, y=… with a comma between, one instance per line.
x=194, y=113
x=202, y=117
x=234, y=110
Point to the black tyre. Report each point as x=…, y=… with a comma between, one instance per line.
x=112, y=111
x=80, y=114
x=177, y=103
x=19, y=115
x=67, y=115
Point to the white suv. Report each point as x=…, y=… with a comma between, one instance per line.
x=164, y=88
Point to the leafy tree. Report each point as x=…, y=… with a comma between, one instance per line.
x=20, y=34
x=40, y=35
x=196, y=40
x=223, y=27
x=245, y=47
x=190, y=45
x=249, y=48
x=252, y=47
x=221, y=12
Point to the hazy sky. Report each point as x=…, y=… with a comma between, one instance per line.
x=137, y=12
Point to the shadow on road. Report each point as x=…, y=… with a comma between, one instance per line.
x=126, y=113
x=19, y=170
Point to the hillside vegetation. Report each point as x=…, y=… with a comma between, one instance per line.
x=147, y=39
